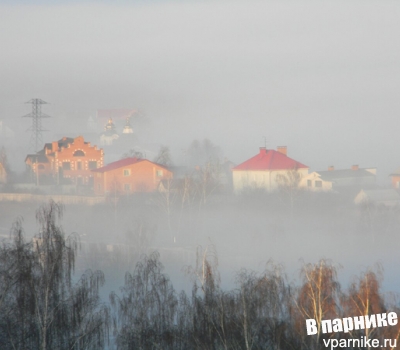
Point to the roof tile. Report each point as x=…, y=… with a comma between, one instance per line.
x=270, y=160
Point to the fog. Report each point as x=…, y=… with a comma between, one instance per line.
x=322, y=78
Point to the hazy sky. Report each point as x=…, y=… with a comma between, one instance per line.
x=322, y=78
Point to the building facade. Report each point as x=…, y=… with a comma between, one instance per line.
x=314, y=182
x=69, y=160
x=353, y=178
x=264, y=170
x=395, y=179
x=129, y=175
x=3, y=174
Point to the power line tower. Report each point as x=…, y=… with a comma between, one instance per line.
x=36, y=115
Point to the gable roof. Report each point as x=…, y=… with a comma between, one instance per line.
x=396, y=173
x=331, y=175
x=37, y=158
x=123, y=163
x=64, y=142
x=118, y=164
x=270, y=160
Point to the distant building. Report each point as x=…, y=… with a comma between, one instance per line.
x=118, y=115
x=395, y=179
x=261, y=171
x=314, y=182
x=387, y=197
x=129, y=175
x=127, y=127
x=355, y=177
x=109, y=135
x=68, y=158
x=3, y=174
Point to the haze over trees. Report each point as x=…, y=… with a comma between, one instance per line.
x=43, y=305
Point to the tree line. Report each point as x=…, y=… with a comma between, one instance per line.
x=43, y=305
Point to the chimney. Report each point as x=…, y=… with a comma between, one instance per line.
x=331, y=168
x=263, y=150
x=282, y=149
x=354, y=167
x=54, y=146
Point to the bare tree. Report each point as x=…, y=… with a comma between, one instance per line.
x=166, y=196
x=4, y=159
x=318, y=297
x=288, y=185
x=146, y=311
x=207, y=180
x=132, y=153
x=364, y=298
x=163, y=157
x=46, y=310
x=202, y=152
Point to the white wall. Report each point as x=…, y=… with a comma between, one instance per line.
x=263, y=179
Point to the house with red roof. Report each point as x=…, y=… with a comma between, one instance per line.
x=129, y=175
x=262, y=170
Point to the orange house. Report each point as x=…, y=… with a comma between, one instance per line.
x=395, y=179
x=3, y=174
x=129, y=175
x=68, y=158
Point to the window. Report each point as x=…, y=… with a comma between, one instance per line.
x=309, y=183
x=92, y=164
x=79, y=165
x=41, y=166
x=79, y=153
x=66, y=166
x=318, y=183
x=159, y=173
x=127, y=172
x=127, y=187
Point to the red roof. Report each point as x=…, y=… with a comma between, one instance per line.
x=122, y=163
x=269, y=160
x=118, y=164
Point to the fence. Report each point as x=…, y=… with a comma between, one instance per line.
x=28, y=197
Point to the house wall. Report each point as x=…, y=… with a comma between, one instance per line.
x=355, y=181
x=40, y=170
x=3, y=174
x=84, y=174
x=396, y=181
x=313, y=182
x=79, y=174
x=143, y=177
x=262, y=179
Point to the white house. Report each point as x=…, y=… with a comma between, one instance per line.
x=262, y=170
x=314, y=182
